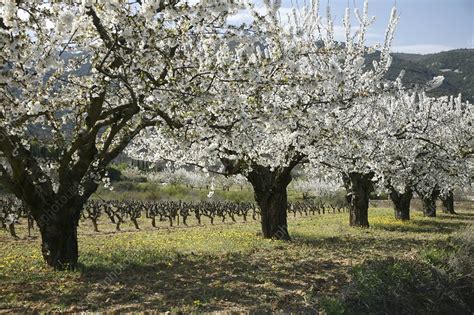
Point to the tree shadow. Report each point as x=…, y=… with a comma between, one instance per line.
x=459, y=216
x=419, y=286
x=352, y=247
x=265, y=280
x=207, y=283
x=423, y=226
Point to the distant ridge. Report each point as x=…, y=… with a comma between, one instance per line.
x=457, y=66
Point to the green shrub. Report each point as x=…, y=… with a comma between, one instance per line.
x=461, y=264
x=154, y=195
x=436, y=256
x=120, y=166
x=235, y=195
x=125, y=186
x=394, y=286
x=332, y=306
x=114, y=174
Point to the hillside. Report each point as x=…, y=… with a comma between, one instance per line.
x=457, y=66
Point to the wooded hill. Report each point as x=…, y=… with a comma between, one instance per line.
x=457, y=66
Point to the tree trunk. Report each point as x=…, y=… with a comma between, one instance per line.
x=117, y=224
x=401, y=203
x=358, y=187
x=135, y=223
x=11, y=228
x=448, y=203
x=94, y=223
x=31, y=225
x=429, y=203
x=59, y=241
x=270, y=195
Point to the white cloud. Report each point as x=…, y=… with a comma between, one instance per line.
x=421, y=48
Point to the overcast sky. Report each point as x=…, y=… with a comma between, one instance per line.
x=426, y=26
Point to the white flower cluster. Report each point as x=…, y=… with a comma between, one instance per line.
x=79, y=82
x=281, y=92
x=8, y=12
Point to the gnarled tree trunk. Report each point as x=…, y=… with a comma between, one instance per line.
x=358, y=186
x=429, y=203
x=59, y=239
x=270, y=194
x=448, y=203
x=11, y=228
x=401, y=203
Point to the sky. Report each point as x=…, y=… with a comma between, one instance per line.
x=425, y=26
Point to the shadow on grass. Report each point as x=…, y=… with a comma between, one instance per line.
x=353, y=247
x=423, y=226
x=291, y=276
x=405, y=286
x=459, y=216
x=256, y=283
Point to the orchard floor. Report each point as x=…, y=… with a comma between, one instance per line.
x=225, y=267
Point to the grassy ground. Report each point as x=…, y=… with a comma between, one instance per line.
x=225, y=267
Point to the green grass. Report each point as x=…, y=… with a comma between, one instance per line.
x=215, y=268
